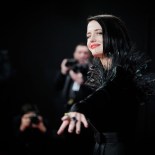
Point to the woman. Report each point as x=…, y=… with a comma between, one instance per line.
x=119, y=82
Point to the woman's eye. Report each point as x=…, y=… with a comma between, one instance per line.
x=99, y=33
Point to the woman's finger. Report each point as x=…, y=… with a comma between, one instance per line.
x=84, y=121
x=63, y=127
x=78, y=124
x=72, y=124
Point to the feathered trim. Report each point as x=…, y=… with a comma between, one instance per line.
x=134, y=62
x=137, y=63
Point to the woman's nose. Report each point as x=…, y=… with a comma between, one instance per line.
x=92, y=38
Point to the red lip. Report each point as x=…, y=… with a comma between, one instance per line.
x=92, y=46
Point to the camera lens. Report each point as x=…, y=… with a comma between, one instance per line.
x=34, y=119
x=71, y=62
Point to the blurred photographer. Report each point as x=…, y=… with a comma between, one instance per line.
x=72, y=75
x=31, y=132
x=32, y=119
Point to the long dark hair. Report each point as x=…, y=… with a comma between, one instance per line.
x=116, y=38
x=117, y=45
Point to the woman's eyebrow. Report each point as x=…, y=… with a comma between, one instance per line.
x=95, y=30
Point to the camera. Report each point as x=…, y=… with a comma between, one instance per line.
x=71, y=62
x=34, y=119
x=76, y=67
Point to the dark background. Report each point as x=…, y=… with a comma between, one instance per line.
x=38, y=35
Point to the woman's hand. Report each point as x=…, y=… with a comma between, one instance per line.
x=73, y=121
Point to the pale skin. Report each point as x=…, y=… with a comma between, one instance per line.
x=81, y=54
x=95, y=45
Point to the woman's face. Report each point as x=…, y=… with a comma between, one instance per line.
x=95, y=38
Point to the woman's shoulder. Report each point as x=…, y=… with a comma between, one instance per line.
x=136, y=67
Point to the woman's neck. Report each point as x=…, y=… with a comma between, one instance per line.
x=106, y=62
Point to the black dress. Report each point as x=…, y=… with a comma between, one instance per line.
x=112, y=109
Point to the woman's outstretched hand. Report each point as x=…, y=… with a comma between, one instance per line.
x=73, y=121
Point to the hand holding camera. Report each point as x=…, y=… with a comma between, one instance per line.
x=32, y=120
x=67, y=64
x=64, y=68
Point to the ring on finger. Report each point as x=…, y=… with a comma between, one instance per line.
x=74, y=119
x=66, y=114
